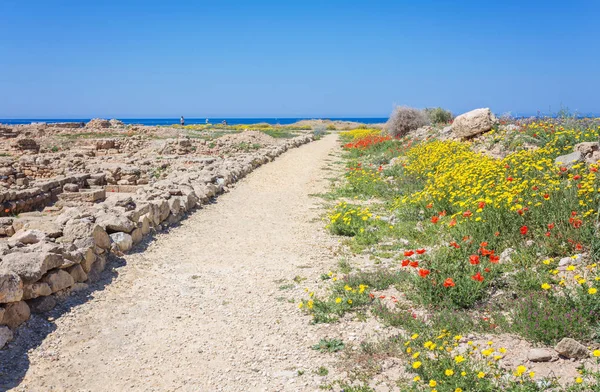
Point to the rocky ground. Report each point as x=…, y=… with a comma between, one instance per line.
x=207, y=306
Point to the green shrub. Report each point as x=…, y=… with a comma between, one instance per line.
x=438, y=115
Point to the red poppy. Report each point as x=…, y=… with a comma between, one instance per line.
x=578, y=246
x=414, y=264
x=497, y=233
x=484, y=244
x=423, y=272
x=430, y=205
x=454, y=244
x=442, y=213
x=535, y=188
x=486, y=252
x=467, y=213
x=573, y=213
x=594, y=169
x=524, y=230
x=547, y=234
x=420, y=251
x=382, y=297
x=449, y=283
x=434, y=219
x=474, y=259
x=494, y=259
x=466, y=238
x=408, y=253
x=478, y=277
x=481, y=204
x=550, y=226
x=520, y=212
x=486, y=269
x=509, y=179
x=405, y=263
x=563, y=169
x=576, y=177
x=371, y=295
x=546, y=196
x=452, y=223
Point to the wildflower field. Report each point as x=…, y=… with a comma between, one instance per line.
x=477, y=245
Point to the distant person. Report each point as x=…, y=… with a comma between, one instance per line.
x=224, y=122
x=182, y=121
x=207, y=121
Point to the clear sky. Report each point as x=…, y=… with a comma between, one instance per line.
x=156, y=58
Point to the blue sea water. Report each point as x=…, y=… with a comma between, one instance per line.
x=188, y=121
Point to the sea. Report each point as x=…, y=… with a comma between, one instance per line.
x=189, y=121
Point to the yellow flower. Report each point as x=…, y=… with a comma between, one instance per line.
x=459, y=359
x=487, y=352
x=463, y=373
x=350, y=302
x=347, y=288
x=416, y=365
x=416, y=379
x=502, y=350
x=432, y=383
x=338, y=300
x=532, y=374
x=416, y=355
x=596, y=353
x=578, y=380
x=480, y=375
x=414, y=336
x=458, y=390
x=571, y=268
x=408, y=350
x=546, y=286
x=592, y=290
x=520, y=370
x=457, y=337
x=449, y=372
x=300, y=305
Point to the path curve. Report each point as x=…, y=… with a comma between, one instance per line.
x=201, y=309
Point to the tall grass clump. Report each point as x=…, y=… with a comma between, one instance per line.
x=405, y=119
x=438, y=115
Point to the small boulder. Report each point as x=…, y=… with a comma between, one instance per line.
x=71, y=188
x=539, y=355
x=28, y=237
x=568, y=160
x=37, y=289
x=6, y=336
x=11, y=287
x=15, y=314
x=42, y=304
x=77, y=273
x=58, y=280
x=571, y=348
x=122, y=241
x=115, y=223
x=31, y=266
x=473, y=123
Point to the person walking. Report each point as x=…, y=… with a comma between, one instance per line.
x=182, y=121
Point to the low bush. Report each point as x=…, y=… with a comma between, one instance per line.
x=405, y=119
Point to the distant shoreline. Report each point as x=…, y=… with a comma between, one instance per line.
x=190, y=121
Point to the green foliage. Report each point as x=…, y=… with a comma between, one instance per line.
x=438, y=115
x=329, y=346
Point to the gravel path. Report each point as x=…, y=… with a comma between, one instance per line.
x=202, y=308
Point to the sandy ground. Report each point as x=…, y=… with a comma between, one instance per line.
x=201, y=308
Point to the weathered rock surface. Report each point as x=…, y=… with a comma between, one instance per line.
x=15, y=314
x=571, y=348
x=123, y=241
x=6, y=336
x=473, y=123
x=31, y=266
x=539, y=355
x=11, y=287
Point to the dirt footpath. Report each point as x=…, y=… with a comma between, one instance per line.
x=202, y=308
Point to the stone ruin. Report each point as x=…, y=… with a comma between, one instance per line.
x=66, y=206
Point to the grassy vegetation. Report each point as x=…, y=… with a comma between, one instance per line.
x=476, y=244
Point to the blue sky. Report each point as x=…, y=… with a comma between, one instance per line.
x=152, y=58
